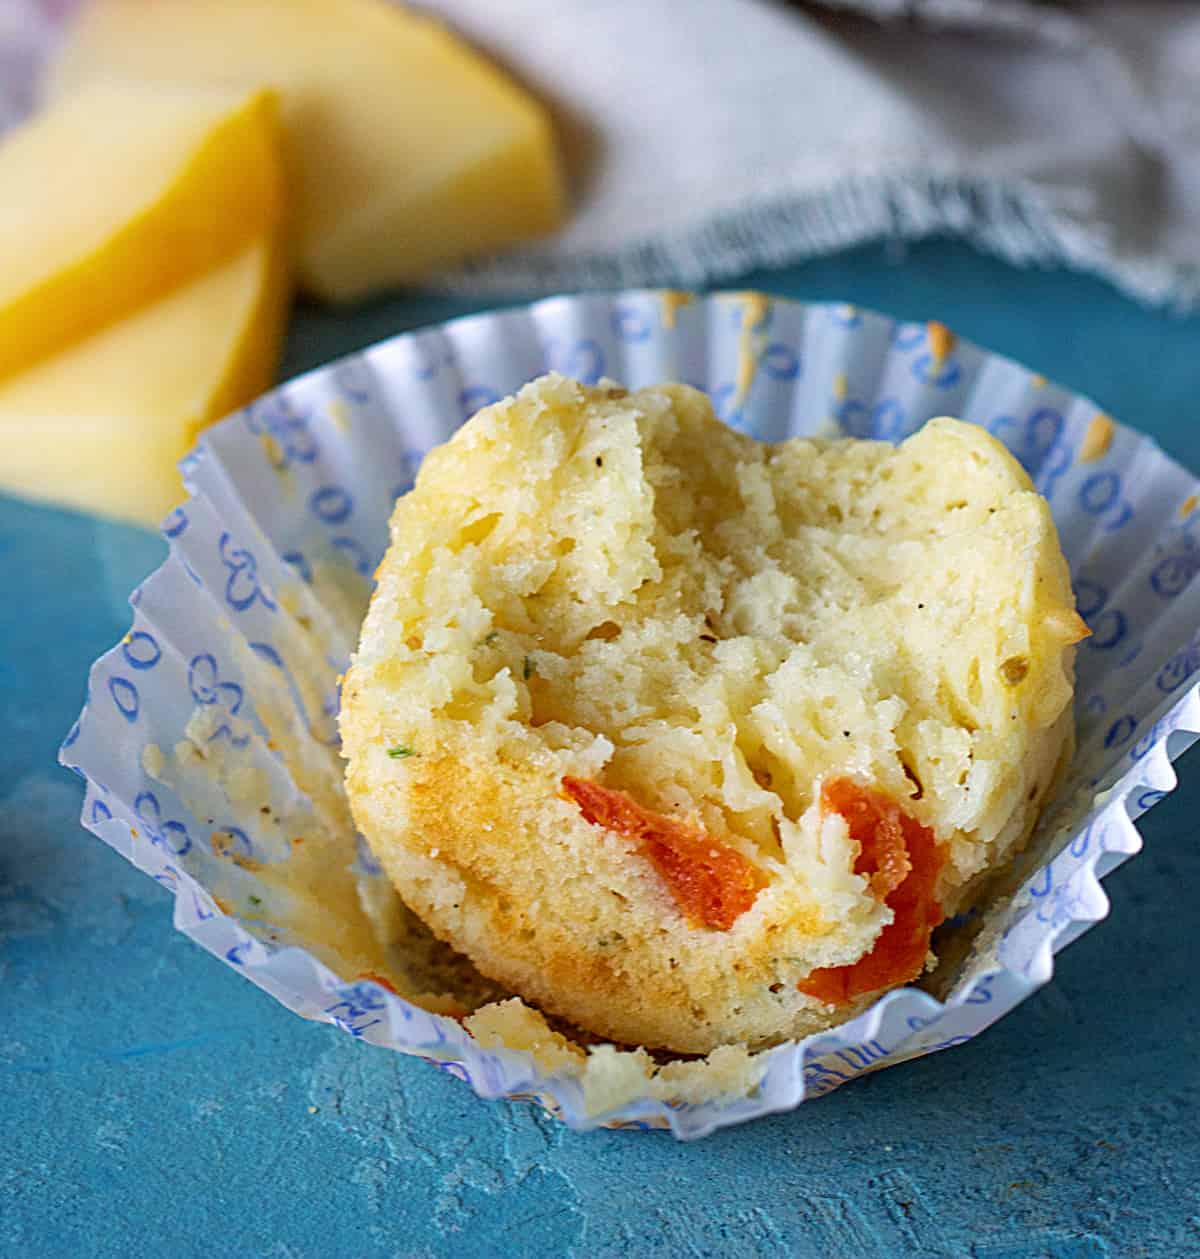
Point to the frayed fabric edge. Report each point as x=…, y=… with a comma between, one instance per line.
x=1016, y=220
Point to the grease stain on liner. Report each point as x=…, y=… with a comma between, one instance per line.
x=671, y=302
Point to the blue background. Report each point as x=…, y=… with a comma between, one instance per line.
x=153, y=1102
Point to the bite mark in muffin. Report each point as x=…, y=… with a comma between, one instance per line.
x=610, y=588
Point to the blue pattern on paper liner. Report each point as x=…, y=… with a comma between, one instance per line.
x=812, y=368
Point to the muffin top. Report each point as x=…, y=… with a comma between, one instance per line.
x=692, y=739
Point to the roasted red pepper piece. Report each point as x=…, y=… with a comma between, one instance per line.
x=712, y=884
x=902, y=861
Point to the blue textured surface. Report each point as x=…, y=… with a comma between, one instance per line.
x=152, y=1102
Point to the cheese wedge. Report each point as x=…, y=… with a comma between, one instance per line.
x=408, y=150
x=102, y=425
x=117, y=195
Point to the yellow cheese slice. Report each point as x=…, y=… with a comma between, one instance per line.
x=118, y=194
x=102, y=425
x=408, y=149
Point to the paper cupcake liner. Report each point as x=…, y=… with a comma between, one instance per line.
x=239, y=638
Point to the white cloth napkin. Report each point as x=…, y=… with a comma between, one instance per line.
x=711, y=136
x=706, y=137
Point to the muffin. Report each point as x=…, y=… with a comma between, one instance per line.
x=693, y=740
